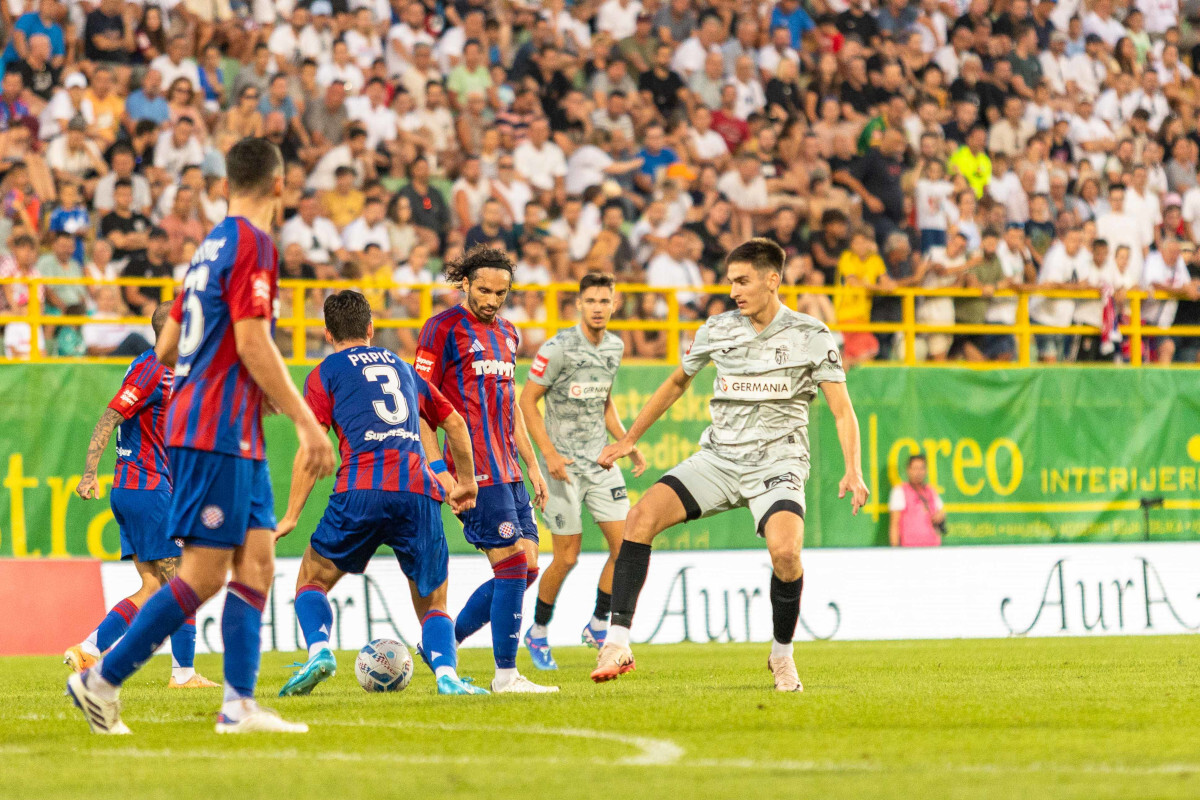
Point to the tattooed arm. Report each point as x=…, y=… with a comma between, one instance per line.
x=109, y=420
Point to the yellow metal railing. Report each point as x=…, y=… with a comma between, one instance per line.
x=299, y=324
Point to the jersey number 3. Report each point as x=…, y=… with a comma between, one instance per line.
x=389, y=382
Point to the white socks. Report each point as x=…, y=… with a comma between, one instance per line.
x=441, y=672
x=88, y=645
x=599, y=624
x=778, y=650
x=538, y=631
x=182, y=674
x=504, y=677
x=313, y=649
x=618, y=634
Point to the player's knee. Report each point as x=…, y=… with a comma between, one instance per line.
x=640, y=525
x=785, y=562
x=567, y=559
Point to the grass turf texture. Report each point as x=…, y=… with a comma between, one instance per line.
x=1085, y=718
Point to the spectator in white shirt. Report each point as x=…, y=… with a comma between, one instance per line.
x=512, y=192
x=673, y=267
x=294, y=42
x=1165, y=271
x=404, y=36
x=363, y=40
x=1056, y=66
x=176, y=148
x=775, y=51
x=689, y=56
x=618, y=18
x=1091, y=134
x=1119, y=227
x=747, y=192
x=340, y=67
x=352, y=153
x=1101, y=22
x=316, y=234
x=1150, y=97
x=1088, y=69
x=1067, y=265
x=1160, y=15
x=370, y=228
x=371, y=109
x=174, y=63
x=750, y=95
x=1142, y=204
x=541, y=162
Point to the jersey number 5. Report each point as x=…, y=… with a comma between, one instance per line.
x=389, y=382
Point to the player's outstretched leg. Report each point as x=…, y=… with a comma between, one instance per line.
x=785, y=536
x=96, y=691
x=241, y=632
x=477, y=611
x=315, y=616
x=511, y=575
x=437, y=647
x=657, y=510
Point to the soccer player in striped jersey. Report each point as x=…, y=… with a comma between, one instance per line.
x=469, y=353
x=385, y=493
x=141, y=502
x=218, y=338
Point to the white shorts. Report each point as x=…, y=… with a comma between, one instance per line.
x=603, y=493
x=708, y=484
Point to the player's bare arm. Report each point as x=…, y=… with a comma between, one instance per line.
x=88, y=488
x=531, y=393
x=433, y=454
x=663, y=398
x=458, y=438
x=303, y=481
x=848, y=437
x=262, y=360
x=166, y=348
x=525, y=450
x=616, y=429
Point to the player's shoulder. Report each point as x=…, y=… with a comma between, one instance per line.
x=613, y=342
x=725, y=322
x=565, y=339
x=801, y=322
x=444, y=320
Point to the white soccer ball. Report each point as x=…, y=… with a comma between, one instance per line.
x=384, y=665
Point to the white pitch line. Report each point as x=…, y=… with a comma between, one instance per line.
x=654, y=752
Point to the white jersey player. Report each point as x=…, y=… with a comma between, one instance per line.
x=574, y=373
x=770, y=361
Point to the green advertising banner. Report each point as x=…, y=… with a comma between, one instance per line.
x=1033, y=455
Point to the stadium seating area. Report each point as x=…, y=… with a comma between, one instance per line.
x=919, y=163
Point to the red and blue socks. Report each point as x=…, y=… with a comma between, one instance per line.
x=183, y=651
x=508, y=596
x=241, y=631
x=111, y=628
x=437, y=642
x=315, y=616
x=478, y=610
x=162, y=615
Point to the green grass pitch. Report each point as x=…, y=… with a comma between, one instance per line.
x=1062, y=718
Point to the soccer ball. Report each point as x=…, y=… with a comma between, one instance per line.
x=384, y=665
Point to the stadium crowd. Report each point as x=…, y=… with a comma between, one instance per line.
x=903, y=143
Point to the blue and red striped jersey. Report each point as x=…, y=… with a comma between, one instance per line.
x=216, y=405
x=142, y=401
x=368, y=396
x=473, y=366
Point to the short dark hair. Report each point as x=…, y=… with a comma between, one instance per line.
x=762, y=254
x=159, y=317
x=481, y=256
x=122, y=182
x=593, y=279
x=916, y=457
x=347, y=315
x=252, y=165
x=24, y=240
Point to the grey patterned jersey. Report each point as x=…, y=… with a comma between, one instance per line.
x=765, y=382
x=578, y=376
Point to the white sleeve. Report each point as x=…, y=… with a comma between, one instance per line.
x=937, y=499
x=896, y=499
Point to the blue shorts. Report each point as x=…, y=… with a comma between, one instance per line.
x=143, y=516
x=502, y=515
x=358, y=522
x=217, y=497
